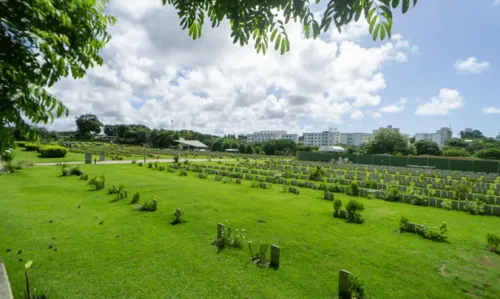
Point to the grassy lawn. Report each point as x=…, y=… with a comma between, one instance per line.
x=140, y=255
x=21, y=154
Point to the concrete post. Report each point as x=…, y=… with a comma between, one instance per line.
x=275, y=256
x=220, y=230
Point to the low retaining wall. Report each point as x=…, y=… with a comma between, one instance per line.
x=5, y=291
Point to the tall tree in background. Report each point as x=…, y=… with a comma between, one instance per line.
x=427, y=147
x=40, y=42
x=474, y=134
x=264, y=20
x=387, y=141
x=87, y=125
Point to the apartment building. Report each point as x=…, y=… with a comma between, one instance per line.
x=330, y=137
x=356, y=139
x=440, y=137
x=389, y=127
x=263, y=136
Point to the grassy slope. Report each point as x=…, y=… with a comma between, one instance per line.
x=152, y=259
x=21, y=154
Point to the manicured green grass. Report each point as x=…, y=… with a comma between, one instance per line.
x=140, y=255
x=21, y=154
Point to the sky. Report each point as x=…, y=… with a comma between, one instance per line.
x=441, y=68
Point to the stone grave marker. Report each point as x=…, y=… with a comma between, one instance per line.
x=102, y=156
x=275, y=256
x=344, y=292
x=178, y=215
x=88, y=158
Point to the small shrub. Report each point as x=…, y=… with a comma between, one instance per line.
x=402, y=223
x=135, y=198
x=392, y=194
x=461, y=190
x=97, y=183
x=446, y=204
x=436, y=234
x=337, y=205
x=493, y=242
x=51, y=151
x=476, y=206
x=76, y=170
x=356, y=287
x=140, y=164
x=228, y=239
x=150, y=165
x=260, y=256
x=371, y=195
x=116, y=190
x=371, y=184
x=31, y=147
x=21, y=143
x=176, y=159
x=285, y=188
x=354, y=208
x=149, y=206
x=134, y=161
x=84, y=177
x=238, y=182
x=353, y=189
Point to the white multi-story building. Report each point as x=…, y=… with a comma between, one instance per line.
x=440, y=137
x=356, y=139
x=324, y=138
x=263, y=136
x=498, y=137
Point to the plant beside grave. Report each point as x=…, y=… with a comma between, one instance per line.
x=285, y=188
x=461, y=190
x=84, y=177
x=116, y=190
x=337, y=205
x=493, y=242
x=354, y=209
x=392, y=194
x=356, y=287
x=149, y=206
x=135, y=198
x=418, y=198
x=353, y=189
x=434, y=233
x=227, y=238
x=403, y=221
x=97, y=183
x=476, y=206
x=182, y=172
x=259, y=257
x=446, y=204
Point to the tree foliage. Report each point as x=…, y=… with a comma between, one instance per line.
x=264, y=20
x=474, y=134
x=41, y=42
x=427, y=147
x=387, y=141
x=88, y=124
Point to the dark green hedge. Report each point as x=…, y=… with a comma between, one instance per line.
x=31, y=147
x=51, y=151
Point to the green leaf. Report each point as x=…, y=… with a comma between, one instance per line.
x=382, y=32
x=283, y=47
x=273, y=35
x=307, y=30
x=375, y=32
x=372, y=24
x=395, y=3
x=277, y=44
x=406, y=5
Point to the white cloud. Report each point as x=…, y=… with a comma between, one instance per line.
x=471, y=65
x=357, y=114
x=496, y=2
x=491, y=109
x=376, y=114
x=398, y=106
x=448, y=99
x=153, y=72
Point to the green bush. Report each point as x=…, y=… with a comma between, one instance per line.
x=53, y=151
x=353, y=189
x=354, y=208
x=437, y=234
x=337, y=205
x=21, y=143
x=260, y=256
x=149, y=206
x=356, y=287
x=493, y=242
x=392, y=194
x=31, y=147
x=461, y=190
x=371, y=184
x=135, y=198
x=455, y=152
x=97, y=183
x=489, y=153
x=476, y=206
x=228, y=239
x=402, y=223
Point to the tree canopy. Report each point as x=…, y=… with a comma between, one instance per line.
x=264, y=20
x=473, y=134
x=41, y=42
x=88, y=124
x=427, y=147
x=387, y=141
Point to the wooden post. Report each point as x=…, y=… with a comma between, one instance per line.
x=275, y=256
x=344, y=292
x=220, y=230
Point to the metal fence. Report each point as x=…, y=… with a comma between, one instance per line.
x=487, y=166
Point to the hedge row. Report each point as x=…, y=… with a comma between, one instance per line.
x=51, y=151
x=31, y=147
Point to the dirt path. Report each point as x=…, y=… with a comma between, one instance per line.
x=129, y=162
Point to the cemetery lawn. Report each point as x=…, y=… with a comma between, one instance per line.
x=20, y=154
x=138, y=254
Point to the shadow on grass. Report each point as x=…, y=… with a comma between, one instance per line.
x=175, y=222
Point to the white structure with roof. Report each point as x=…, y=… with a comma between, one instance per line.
x=330, y=137
x=263, y=136
x=191, y=144
x=440, y=137
x=331, y=149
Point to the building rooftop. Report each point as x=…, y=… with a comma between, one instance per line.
x=193, y=143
